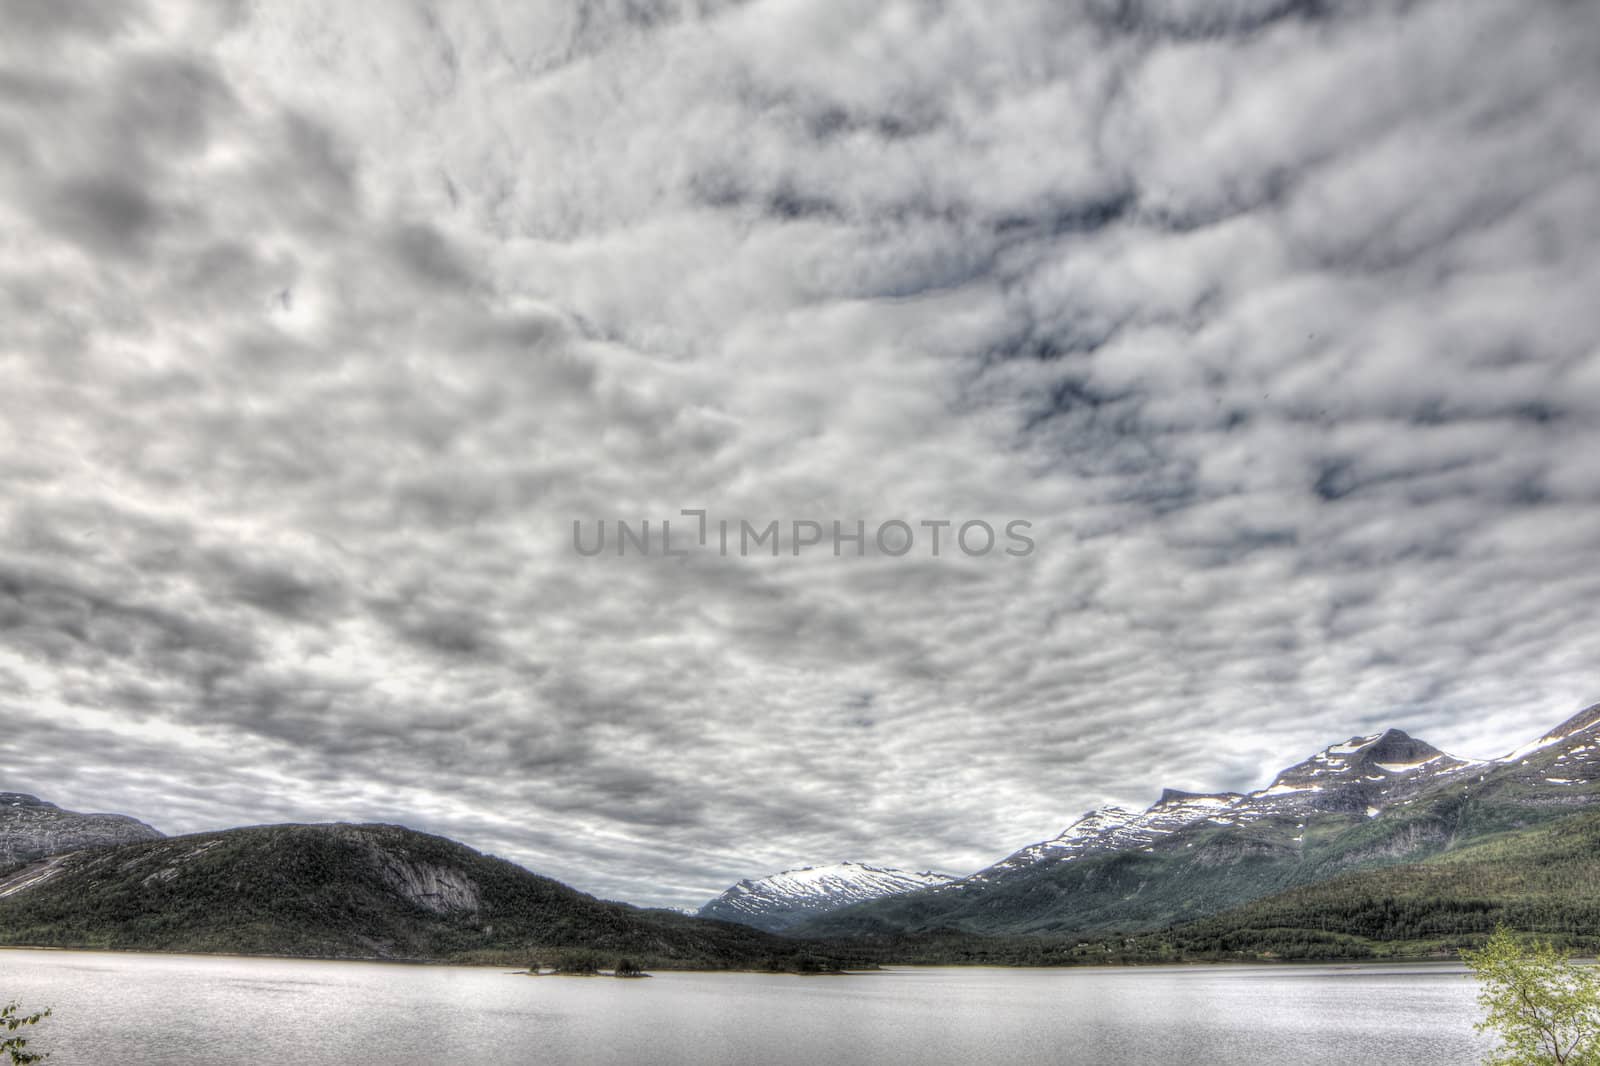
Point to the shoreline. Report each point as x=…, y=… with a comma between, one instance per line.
x=883, y=968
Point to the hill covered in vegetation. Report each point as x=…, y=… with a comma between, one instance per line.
x=353, y=891
x=1542, y=881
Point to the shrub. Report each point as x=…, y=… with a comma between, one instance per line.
x=1544, y=1006
x=15, y=1047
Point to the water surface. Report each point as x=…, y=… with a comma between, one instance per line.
x=183, y=1009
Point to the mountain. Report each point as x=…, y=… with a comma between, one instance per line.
x=1543, y=880
x=1375, y=845
x=1370, y=801
x=1111, y=828
x=31, y=829
x=353, y=891
x=779, y=901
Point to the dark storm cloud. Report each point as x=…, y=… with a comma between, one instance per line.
x=319, y=327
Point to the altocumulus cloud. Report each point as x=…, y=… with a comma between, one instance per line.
x=319, y=324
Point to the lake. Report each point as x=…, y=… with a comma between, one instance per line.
x=134, y=1009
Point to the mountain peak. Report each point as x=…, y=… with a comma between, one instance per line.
x=1105, y=813
x=1171, y=797
x=1112, y=828
x=780, y=900
x=1375, y=757
x=1093, y=823
x=1398, y=748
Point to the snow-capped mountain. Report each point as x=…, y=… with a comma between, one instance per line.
x=1376, y=799
x=1113, y=828
x=1358, y=775
x=776, y=902
x=31, y=828
x=1361, y=775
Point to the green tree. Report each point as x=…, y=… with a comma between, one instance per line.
x=16, y=1047
x=1544, y=1007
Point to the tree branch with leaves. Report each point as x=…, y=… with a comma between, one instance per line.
x=1544, y=1006
x=16, y=1047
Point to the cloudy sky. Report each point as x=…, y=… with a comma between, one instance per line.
x=321, y=324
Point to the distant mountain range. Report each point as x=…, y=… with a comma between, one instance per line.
x=1381, y=844
x=781, y=900
x=1369, y=802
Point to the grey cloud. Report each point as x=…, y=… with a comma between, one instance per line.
x=106, y=214
x=167, y=104
x=1274, y=318
x=38, y=21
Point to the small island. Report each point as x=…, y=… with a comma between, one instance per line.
x=582, y=964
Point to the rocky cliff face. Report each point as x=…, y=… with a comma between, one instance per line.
x=440, y=889
x=31, y=828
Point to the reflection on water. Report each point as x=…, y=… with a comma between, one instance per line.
x=136, y=1009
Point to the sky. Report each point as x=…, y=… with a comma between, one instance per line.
x=322, y=324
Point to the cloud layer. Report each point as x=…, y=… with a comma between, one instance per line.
x=319, y=326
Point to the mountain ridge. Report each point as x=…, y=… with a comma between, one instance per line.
x=1383, y=801
x=1371, y=800
x=341, y=890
